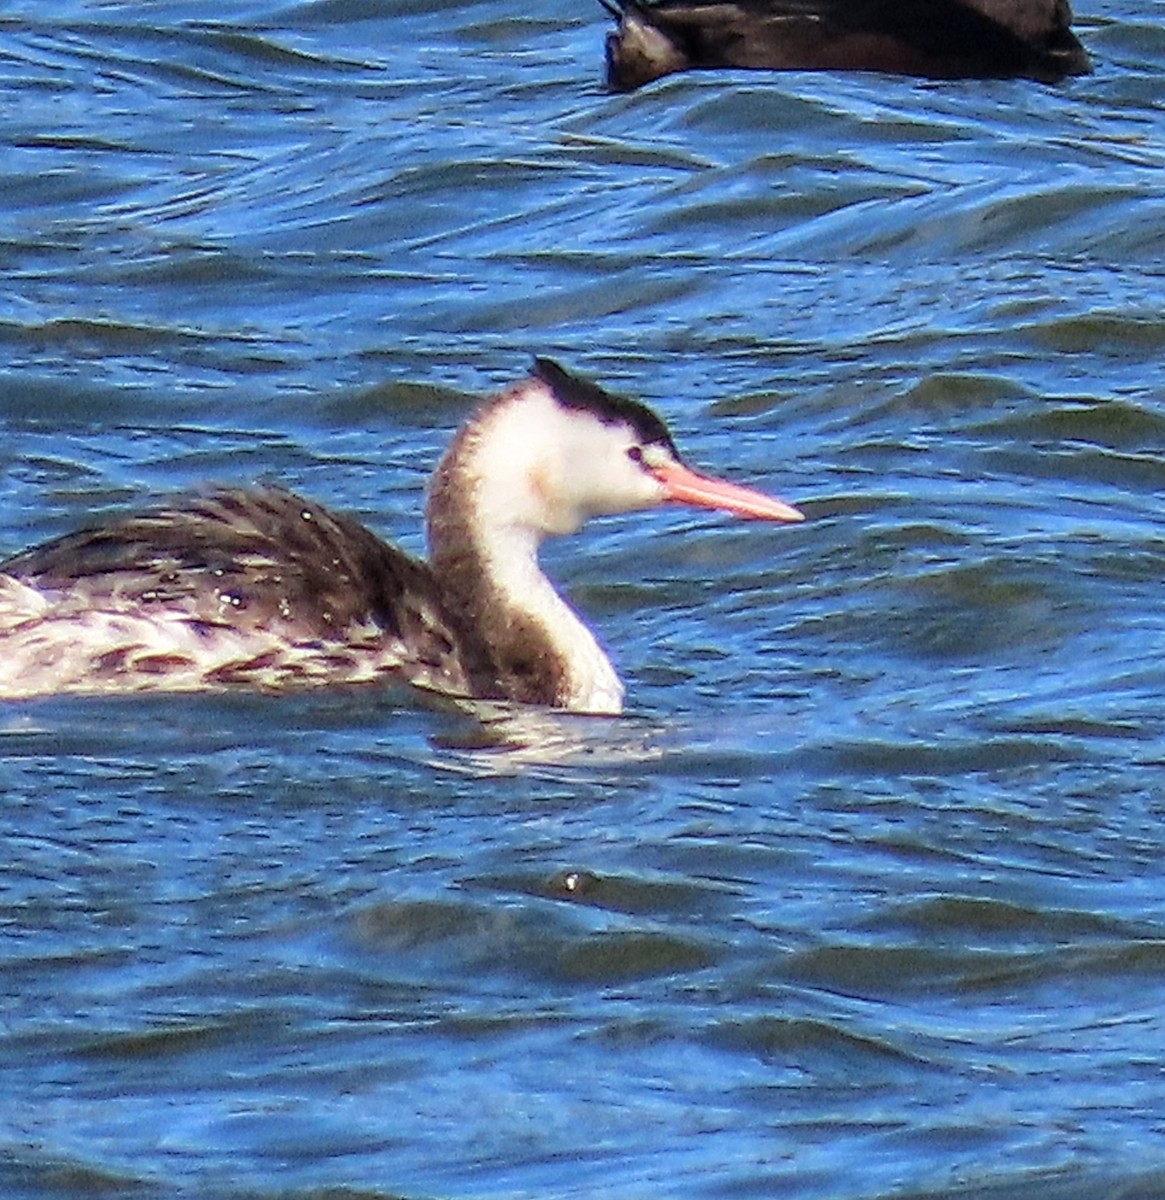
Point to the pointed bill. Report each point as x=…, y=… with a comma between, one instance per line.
x=686, y=486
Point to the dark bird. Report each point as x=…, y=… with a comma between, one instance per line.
x=262, y=589
x=933, y=39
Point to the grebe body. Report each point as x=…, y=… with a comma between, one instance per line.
x=263, y=589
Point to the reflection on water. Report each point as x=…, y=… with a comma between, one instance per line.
x=863, y=897
x=504, y=738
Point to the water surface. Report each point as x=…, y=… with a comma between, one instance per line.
x=863, y=898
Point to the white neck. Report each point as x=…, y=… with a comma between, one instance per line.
x=518, y=582
x=491, y=505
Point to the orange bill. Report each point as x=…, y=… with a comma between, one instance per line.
x=686, y=486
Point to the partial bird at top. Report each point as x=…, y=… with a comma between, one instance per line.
x=934, y=39
x=262, y=589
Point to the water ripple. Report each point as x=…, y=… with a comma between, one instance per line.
x=863, y=897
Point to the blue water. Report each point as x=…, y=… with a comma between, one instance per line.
x=864, y=896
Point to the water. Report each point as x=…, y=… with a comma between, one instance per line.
x=863, y=898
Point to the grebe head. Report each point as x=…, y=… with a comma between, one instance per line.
x=556, y=450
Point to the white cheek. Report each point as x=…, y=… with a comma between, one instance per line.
x=621, y=486
x=650, y=490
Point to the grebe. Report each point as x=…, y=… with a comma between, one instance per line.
x=935, y=39
x=261, y=588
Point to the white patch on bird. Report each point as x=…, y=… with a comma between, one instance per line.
x=51, y=649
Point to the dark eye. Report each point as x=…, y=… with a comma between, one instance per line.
x=635, y=454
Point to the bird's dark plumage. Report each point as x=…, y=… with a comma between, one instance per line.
x=940, y=39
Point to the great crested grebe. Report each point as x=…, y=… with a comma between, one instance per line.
x=261, y=588
x=933, y=39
